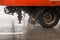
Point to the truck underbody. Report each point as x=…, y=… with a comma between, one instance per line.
x=48, y=16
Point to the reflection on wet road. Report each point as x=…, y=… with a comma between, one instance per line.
x=33, y=32
x=40, y=33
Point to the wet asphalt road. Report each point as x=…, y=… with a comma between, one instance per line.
x=37, y=32
x=34, y=32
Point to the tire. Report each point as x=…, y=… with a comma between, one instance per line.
x=49, y=18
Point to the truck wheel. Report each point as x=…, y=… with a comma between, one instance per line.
x=49, y=18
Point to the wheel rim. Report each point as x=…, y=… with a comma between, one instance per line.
x=49, y=17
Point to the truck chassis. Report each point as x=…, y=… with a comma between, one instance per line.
x=48, y=16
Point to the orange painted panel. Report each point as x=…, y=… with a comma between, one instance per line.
x=30, y=2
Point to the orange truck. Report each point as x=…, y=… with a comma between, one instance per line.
x=46, y=12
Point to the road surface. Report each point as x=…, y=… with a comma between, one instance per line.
x=31, y=32
x=9, y=31
x=39, y=33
